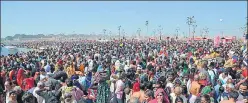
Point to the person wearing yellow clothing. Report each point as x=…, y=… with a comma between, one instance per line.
x=214, y=55
x=70, y=70
x=228, y=63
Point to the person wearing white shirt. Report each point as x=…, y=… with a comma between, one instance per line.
x=40, y=85
x=177, y=93
x=224, y=77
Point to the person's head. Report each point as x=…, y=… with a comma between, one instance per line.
x=14, y=83
x=18, y=90
x=229, y=80
x=229, y=87
x=178, y=91
x=28, y=98
x=68, y=98
x=179, y=100
x=122, y=77
x=170, y=76
x=69, y=82
x=8, y=85
x=225, y=74
x=148, y=95
x=159, y=95
x=12, y=95
x=186, y=77
x=142, y=86
x=196, y=78
x=233, y=95
x=42, y=71
x=243, y=89
x=205, y=99
x=41, y=85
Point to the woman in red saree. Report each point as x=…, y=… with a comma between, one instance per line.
x=160, y=97
x=24, y=82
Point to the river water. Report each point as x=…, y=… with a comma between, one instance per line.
x=5, y=51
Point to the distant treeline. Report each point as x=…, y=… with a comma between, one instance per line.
x=39, y=36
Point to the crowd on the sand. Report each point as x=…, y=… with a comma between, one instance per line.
x=129, y=71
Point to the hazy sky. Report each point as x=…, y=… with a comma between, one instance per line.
x=54, y=17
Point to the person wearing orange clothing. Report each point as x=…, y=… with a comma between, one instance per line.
x=194, y=89
x=81, y=67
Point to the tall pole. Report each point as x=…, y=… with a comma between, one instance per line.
x=190, y=21
x=177, y=29
x=123, y=33
x=194, y=26
x=221, y=20
x=147, y=22
x=119, y=28
x=104, y=32
x=110, y=35
x=160, y=32
x=138, y=31
x=154, y=33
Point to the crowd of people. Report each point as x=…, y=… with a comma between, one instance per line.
x=171, y=71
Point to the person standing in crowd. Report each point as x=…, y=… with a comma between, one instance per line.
x=194, y=89
x=120, y=89
x=40, y=85
x=233, y=96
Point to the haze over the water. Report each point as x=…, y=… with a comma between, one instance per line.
x=54, y=17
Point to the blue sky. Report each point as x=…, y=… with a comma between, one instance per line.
x=54, y=17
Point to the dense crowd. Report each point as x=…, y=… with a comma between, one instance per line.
x=129, y=71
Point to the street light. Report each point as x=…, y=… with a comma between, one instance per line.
x=138, y=31
x=160, y=32
x=190, y=21
x=110, y=35
x=147, y=22
x=123, y=34
x=194, y=26
x=177, y=29
x=154, y=33
x=119, y=28
x=221, y=20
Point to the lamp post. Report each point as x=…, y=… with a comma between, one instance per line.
x=138, y=31
x=177, y=29
x=221, y=20
x=190, y=21
x=110, y=35
x=160, y=32
x=147, y=22
x=194, y=26
x=205, y=33
x=119, y=28
x=154, y=33
x=123, y=34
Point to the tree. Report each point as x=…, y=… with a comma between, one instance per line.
x=9, y=38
